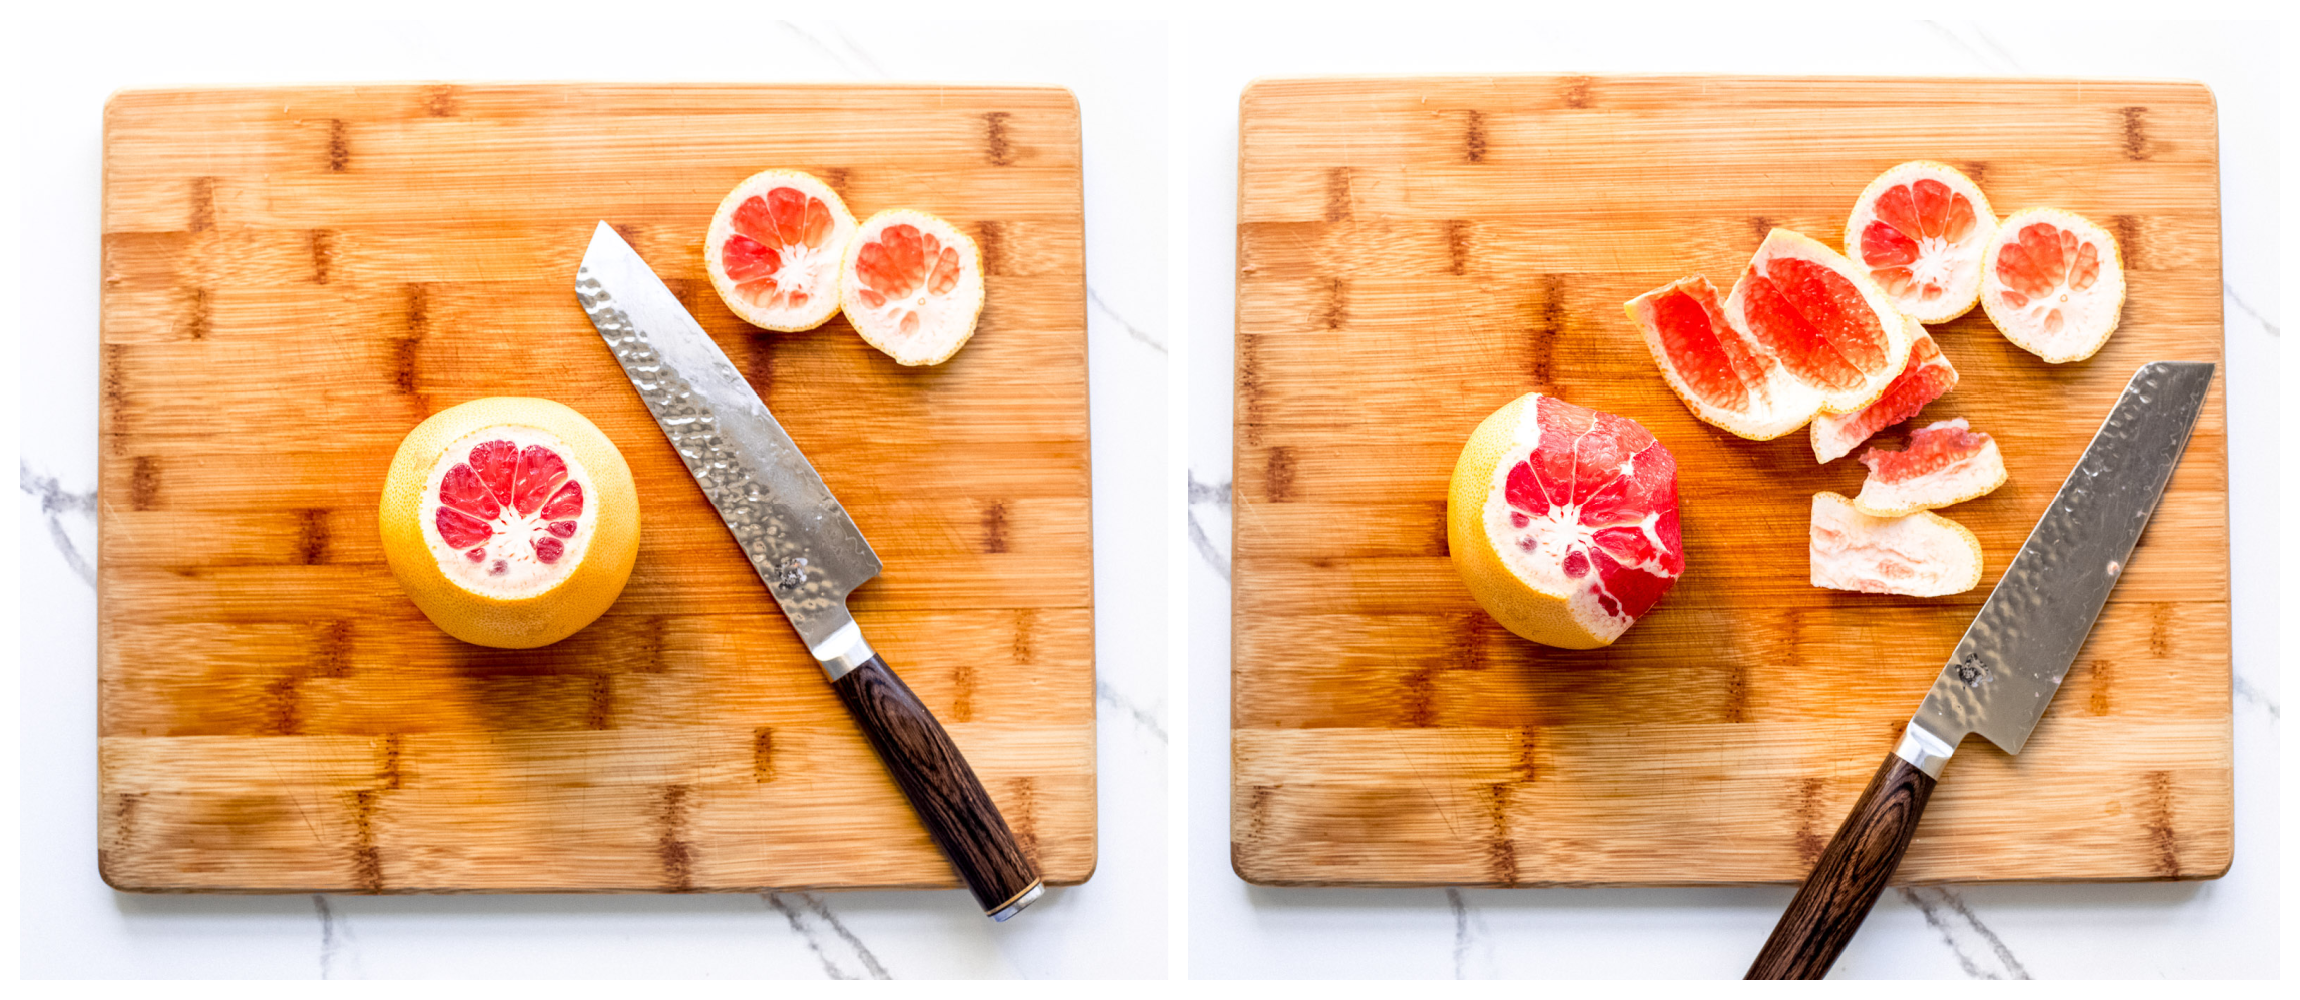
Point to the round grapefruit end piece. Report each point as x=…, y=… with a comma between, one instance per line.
x=1562, y=521
x=2053, y=283
x=912, y=286
x=1726, y=378
x=773, y=250
x=1919, y=231
x=1920, y=555
x=1926, y=378
x=511, y=522
x=1822, y=318
x=1945, y=463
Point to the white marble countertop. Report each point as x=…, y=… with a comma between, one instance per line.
x=74, y=926
x=2224, y=928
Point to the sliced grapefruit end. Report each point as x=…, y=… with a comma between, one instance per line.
x=1920, y=231
x=912, y=286
x=1945, y=463
x=2053, y=283
x=1920, y=555
x=773, y=250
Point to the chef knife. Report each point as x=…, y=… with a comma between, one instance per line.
x=2008, y=664
x=803, y=545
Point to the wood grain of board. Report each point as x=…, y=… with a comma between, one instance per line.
x=294, y=278
x=1414, y=253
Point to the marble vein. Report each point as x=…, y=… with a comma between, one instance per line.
x=846, y=60
x=1219, y=496
x=1460, y=932
x=2247, y=692
x=809, y=919
x=1108, y=694
x=55, y=502
x=2229, y=291
x=1980, y=46
x=1939, y=905
x=338, y=950
x=1131, y=330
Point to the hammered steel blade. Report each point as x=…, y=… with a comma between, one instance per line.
x=2012, y=659
x=798, y=538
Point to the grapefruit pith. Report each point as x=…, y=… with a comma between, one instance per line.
x=1946, y=462
x=1926, y=378
x=912, y=286
x=1920, y=555
x=1562, y=521
x=511, y=522
x=1920, y=231
x=773, y=250
x=2053, y=283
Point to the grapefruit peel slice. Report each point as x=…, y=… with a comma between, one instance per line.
x=1802, y=333
x=1920, y=230
x=1945, y=463
x=2053, y=283
x=1562, y=521
x=912, y=286
x=1926, y=378
x=773, y=250
x=1920, y=555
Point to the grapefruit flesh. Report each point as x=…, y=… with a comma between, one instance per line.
x=1920, y=231
x=1826, y=322
x=1724, y=376
x=1562, y=521
x=1920, y=555
x=1945, y=463
x=773, y=250
x=2053, y=283
x=510, y=522
x=1927, y=376
x=912, y=286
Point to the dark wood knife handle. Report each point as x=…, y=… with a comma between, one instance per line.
x=949, y=799
x=1847, y=879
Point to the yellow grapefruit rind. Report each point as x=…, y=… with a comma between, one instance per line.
x=1971, y=541
x=1864, y=211
x=722, y=226
x=545, y=618
x=1718, y=417
x=1889, y=319
x=970, y=261
x=1533, y=614
x=2062, y=218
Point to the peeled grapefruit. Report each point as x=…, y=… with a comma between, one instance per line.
x=1920, y=555
x=1920, y=231
x=912, y=286
x=1945, y=463
x=773, y=250
x=2053, y=283
x=1927, y=376
x=511, y=522
x=1562, y=521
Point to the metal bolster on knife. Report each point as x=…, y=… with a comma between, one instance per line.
x=845, y=650
x=1923, y=750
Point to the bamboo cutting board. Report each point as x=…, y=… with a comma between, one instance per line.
x=294, y=278
x=1413, y=253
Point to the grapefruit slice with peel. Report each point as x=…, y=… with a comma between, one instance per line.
x=1920, y=231
x=773, y=250
x=1920, y=555
x=1926, y=378
x=2053, y=283
x=1724, y=375
x=1562, y=521
x=912, y=286
x=1827, y=323
x=1945, y=463
x=510, y=522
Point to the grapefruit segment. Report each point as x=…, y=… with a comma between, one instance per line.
x=1927, y=376
x=1920, y=230
x=1945, y=463
x=912, y=286
x=1724, y=376
x=1826, y=323
x=1562, y=521
x=1920, y=555
x=2053, y=283
x=509, y=522
x=773, y=250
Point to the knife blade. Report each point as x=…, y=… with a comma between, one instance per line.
x=2003, y=673
x=803, y=546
